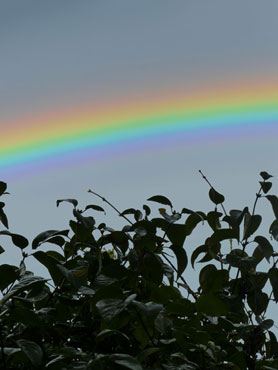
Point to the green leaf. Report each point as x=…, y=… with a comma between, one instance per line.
x=257, y=301
x=267, y=324
x=147, y=209
x=265, y=175
x=110, y=307
x=18, y=240
x=3, y=218
x=216, y=197
x=213, y=220
x=149, y=309
x=251, y=224
x=87, y=222
x=152, y=268
x=46, y=235
x=51, y=264
x=95, y=208
x=161, y=199
x=266, y=186
x=273, y=230
x=127, y=361
x=181, y=257
x=72, y=201
x=3, y=187
x=274, y=203
x=8, y=275
x=197, y=252
x=265, y=247
x=32, y=350
x=193, y=220
x=273, y=278
x=211, y=305
x=177, y=234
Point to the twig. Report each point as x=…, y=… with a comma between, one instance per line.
x=111, y=205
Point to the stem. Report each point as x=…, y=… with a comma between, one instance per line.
x=111, y=205
x=207, y=181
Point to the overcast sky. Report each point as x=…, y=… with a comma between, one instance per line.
x=59, y=54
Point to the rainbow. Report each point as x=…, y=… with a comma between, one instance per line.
x=81, y=133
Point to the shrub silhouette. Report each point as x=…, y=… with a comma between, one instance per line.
x=117, y=299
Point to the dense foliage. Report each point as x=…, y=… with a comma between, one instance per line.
x=116, y=299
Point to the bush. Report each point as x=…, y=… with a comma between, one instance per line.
x=116, y=299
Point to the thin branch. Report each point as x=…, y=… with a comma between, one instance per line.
x=111, y=205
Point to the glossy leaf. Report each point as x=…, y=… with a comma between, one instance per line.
x=181, y=257
x=74, y=202
x=274, y=203
x=46, y=235
x=32, y=350
x=161, y=199
x=265, y=175
x=3, y=187
x=216, y=197
x=266, y=186
x=273, y=278
x=265, y=247
x=18, y=240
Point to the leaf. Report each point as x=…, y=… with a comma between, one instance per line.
x=193, y=220
x=273, y=230
x=251, y=224
x=216, y=197
x=266, y=186
x=18, y=240
x=273, y=278
x=111, y=307
x=274, y=203
x=46, y=235
x=149, y=309
x=72, y=201
x=3, y=218
x=265, y=175
x=257, y=301
x=51, y=264
x=3, y=187
x=181, y=257
x=197, y=252
x=211, y=305
x=32, y=350
x=87, y=222
x=127, y=361
x=8, y=275
x=147, y=209
x=95, y=207
x=152, y=268
x=161, y=199
x=267, y=324
x=177, y=234
x=265, y=247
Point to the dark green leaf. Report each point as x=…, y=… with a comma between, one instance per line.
x=177, y=234
x=152, y=268
x=273, y=230
x=213, y=220
x=181, y=257
x=251, y=224
x=161, y=199
x=3, y=218
x=273, y=278
x=72, y=201
x=257, y=301
x=32, y=350
x=149, y=309
x=18, y=240
x=266, y=186
x=8, y=275
x=211, y=305
x=87, y=222
x=267, y=324
x=2, y=250
x=193, y=220
x=46, y=235
x=197, y=252
x=216, y=197
x=274, y=203
x=3, y=187
x=265, y=247
x=51, y=264
x=265, y=175
x=147, y=209
x=126, y=361
x=95, y=207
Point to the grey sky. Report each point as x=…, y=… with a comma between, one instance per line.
x=56, y=54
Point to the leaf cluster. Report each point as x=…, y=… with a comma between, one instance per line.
x=121, y=299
